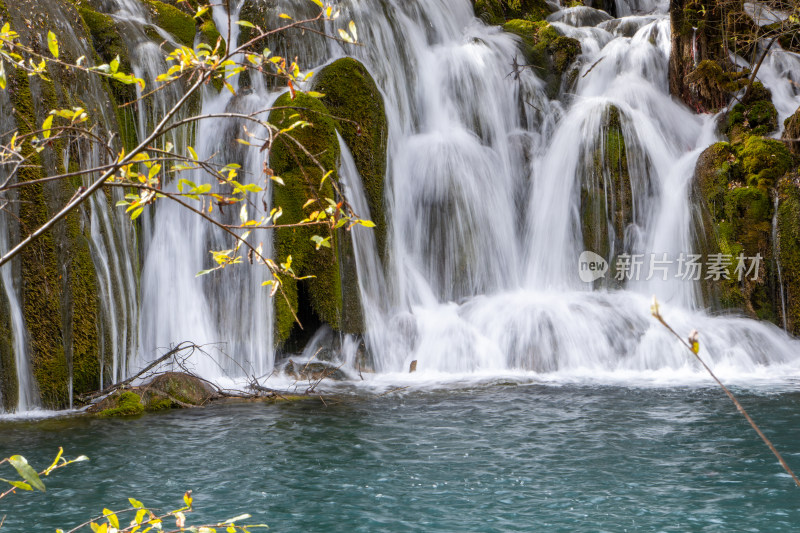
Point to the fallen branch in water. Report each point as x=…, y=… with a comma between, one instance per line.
x=694, y=346
x=122, y=384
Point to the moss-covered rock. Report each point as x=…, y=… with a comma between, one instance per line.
x=499, y=11
x=184, y=388
x=318, y=299
x=356, y=103
x=125, y=404
x=9, y=387
x=734, y=186
x=606, y=198
x=178, y=23
x=756, y=116
x=789, y=249
x=549, y=52
x=791, y=132
x=108, y=43
x=58, y=280
x=764, y=161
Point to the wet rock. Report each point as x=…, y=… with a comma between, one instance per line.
x=791, y=132
x=314, y=371
x=580, y=16
x=185, y=388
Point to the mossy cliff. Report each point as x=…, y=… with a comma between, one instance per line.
x=606, y=198
x=791, y=132
x=317, y=300
x=700, y=73
x=58, y=279
x=499, y=11
x=789, y=248
x=356, y=104
x=354, y=100
x=735, y=185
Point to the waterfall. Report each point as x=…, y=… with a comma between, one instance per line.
x=777, y=256
x=485, y=197
x=28, y=397
x=496, y=185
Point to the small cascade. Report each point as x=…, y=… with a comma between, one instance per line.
x=777, y=256
x=27, y=394
x=780, y=73
x=227, y=311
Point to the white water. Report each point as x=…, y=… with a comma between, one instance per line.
x=483, y=191
x=483, y=271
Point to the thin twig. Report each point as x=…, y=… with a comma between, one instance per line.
x=739, y=407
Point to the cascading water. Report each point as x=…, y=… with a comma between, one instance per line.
x=489, y=185
x=485, y=195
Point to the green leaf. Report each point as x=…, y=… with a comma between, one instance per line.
x=245, y=24
x=52, y=43
x=26, y=472
x=154, y=170
x=2, y=75
x=17, y=484
x=367, y=223
x=135, y=503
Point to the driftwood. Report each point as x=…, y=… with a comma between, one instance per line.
x=86, y=398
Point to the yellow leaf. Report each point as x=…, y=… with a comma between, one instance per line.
x=345, y=36
x=47, y=126
x=353, y=32
x=52, y=43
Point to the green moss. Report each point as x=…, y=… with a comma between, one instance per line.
x=546, y=50
x=716, y=168
x=128, y=404
x=109, y=45
x=159, y=405
x=179, y=24
x=756, y=117
x=789, y=249
x=355, y=101
x=105, y=36
x=764, y=161
x=606, y=194
x=791, y=132
x=749, y=211
x=9, y=386
x=41, y=280
x=302, y=177
x=498, y=11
